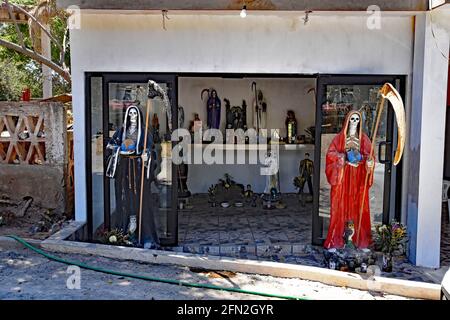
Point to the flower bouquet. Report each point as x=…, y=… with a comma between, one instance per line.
x=116, y=237
x=391, y=240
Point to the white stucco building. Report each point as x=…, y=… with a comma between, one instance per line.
x=407, y=43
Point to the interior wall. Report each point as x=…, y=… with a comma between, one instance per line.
x=281, y=43
x=280, y=94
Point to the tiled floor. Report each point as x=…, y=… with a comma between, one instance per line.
x=245, y=229
x=254, y=232
x=282, y=235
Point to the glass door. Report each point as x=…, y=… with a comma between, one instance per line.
x=336, y=97
x=136, y=162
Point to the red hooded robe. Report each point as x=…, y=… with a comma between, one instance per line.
x=347, y=184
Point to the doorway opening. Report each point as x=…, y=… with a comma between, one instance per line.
x=230, y=208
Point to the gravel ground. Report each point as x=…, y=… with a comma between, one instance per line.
x=27, y=275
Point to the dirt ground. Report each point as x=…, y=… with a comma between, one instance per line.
x=27, y=275
x=27, y=220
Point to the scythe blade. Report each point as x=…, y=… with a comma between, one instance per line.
x=390, y=93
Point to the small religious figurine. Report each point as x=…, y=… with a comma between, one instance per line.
x=128, y=158
x=236, y=116
x=349, y=231
x=248, y=194
x=347, y=162
x=213, y=106
x=272, y=196
x=291, y=127
x=259, y=110
x=272, y=182
x=196, y=124
x=306, y=170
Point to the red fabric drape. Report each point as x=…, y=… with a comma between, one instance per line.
x=347, y=184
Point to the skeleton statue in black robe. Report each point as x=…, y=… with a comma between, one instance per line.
x=124, y=166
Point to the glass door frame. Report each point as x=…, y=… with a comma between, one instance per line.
x=390, y=210
x=119, y=77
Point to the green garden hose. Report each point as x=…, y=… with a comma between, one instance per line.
x=147, y=278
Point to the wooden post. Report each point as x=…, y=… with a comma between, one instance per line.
x=147, y=116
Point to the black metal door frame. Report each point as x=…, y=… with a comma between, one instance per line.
x=321, y=81
x=332, y=79
x=118, y=77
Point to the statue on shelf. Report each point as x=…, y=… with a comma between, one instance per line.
x=347, y=162
x=213, y=107
x=128, y=158
x=259, y=110
x=236, y=116
x=196, y=124
x=291, y=127
x=306, y=170
x=180, y=117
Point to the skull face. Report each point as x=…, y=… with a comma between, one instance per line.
x=354, y=119
x=133, y=115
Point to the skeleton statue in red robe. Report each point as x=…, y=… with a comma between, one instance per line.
x=347, y=162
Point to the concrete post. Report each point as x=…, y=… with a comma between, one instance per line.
x=426, y=143
x=47, y=90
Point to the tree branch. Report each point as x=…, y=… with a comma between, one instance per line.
x=39, y=58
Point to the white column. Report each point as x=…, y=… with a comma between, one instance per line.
x=426, y=141
x=46, y=71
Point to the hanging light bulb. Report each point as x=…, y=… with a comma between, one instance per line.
x=243, y=13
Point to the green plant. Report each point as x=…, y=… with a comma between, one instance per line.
x=227, y=181
x=116, y=237
x=391, y=238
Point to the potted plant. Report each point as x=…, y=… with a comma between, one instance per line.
x=391, y=240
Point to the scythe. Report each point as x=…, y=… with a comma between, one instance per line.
x=388, y=92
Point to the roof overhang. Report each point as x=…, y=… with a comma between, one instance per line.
x=270, y=5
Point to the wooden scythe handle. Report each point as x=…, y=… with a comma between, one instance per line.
x=369, y=172
x=147, y=116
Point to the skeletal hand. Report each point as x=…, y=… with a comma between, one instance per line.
x=370, y=163
x=145, y=157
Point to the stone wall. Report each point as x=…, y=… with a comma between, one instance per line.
x=35, y=154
